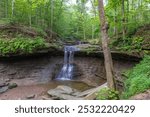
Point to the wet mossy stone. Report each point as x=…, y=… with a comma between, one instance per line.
x=12, y=85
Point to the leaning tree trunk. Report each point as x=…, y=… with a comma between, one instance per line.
x=106, y=50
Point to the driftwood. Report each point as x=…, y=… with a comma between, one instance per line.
x=91, y=93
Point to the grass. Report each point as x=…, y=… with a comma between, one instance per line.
x=138, y=78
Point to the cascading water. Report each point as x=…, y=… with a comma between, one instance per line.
x=66, y=72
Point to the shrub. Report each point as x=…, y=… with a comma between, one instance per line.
x=129, y=44
x=107, y=94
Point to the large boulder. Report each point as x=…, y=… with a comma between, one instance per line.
x=63, y=92
x=68, y=93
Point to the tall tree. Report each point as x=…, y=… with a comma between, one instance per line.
x=106, y=50
x=123, y=19
x=6, y=9
x=52, y=10
x=12, y=13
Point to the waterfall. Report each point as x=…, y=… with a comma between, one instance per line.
x=66, y=72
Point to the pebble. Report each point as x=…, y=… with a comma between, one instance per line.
x=30, y=96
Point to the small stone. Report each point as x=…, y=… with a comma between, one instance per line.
x=46, y=98
x=2, y=84
x=7, y=80
x=31, y=96
x=12, y=85
x=3, y=89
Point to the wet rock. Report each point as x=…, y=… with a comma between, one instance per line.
x=45, y=97
x=3, y=89
x=30, y=96
x=3, y=84
x=7, y=80
x=12, y=73
x=65, y=89
x=63, y=92
x=12, y=85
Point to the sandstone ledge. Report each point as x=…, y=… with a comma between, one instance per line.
x=90, y=51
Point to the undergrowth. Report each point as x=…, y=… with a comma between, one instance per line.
x=138, y=79
x=20, y=45
x=128, y=44
x=107, y=94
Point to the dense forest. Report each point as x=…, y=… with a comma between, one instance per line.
x=77, y=18
x=123, y=26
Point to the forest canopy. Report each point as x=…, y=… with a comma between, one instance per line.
x=76, y=19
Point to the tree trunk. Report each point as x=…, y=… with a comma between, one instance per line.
x=92, y=31
x=13, y=2
x=12, y=11
x=106, y=50
x=123, y=20
x=127, y=19
x=115, y=24
x=6, y=9
x=30, y=20
x=84, y=35
x=52, y=10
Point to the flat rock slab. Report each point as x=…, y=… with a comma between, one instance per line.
x=63, y=92
x=3, y=89
x=30, y=96
x=68, y=93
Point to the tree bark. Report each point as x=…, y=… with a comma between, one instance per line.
x=123, y=20
x=128, y=9
x=6, y=9
x=106, y=50
x=13, y=2
x=115, y=23
x=52, y=10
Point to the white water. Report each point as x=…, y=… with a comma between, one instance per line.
x=66, y=72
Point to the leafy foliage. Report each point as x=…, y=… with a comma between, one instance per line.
x=138, y=78
x=80, y=19
x=129, y=44
x=20, y=45
x=107, y=94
